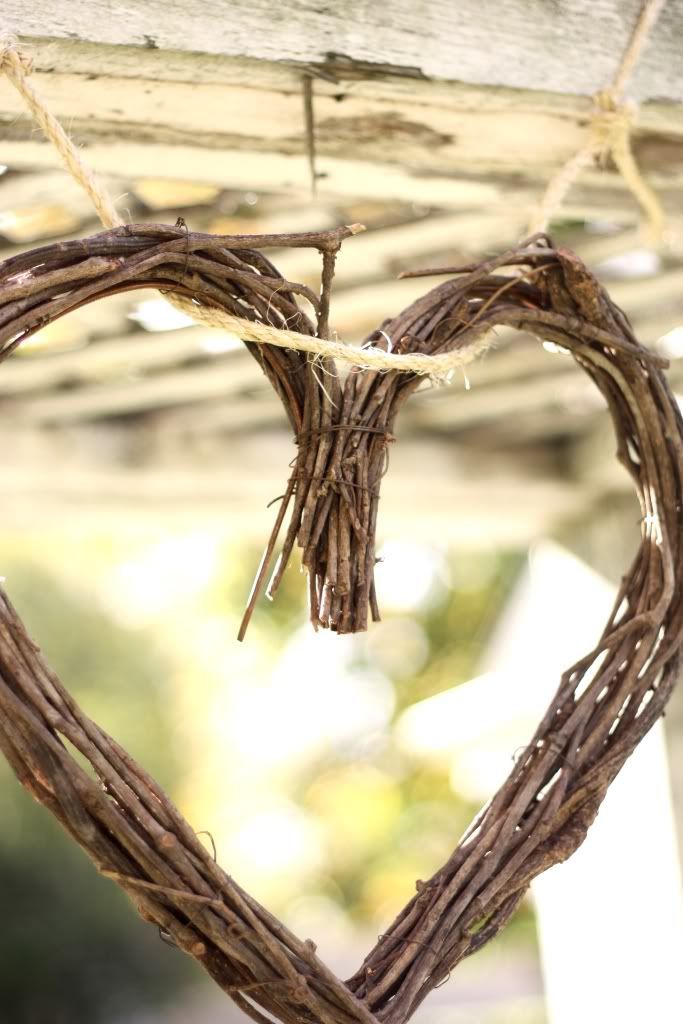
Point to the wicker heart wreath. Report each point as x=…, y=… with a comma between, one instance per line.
x=604, y=705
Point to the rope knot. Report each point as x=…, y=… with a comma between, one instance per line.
x=11, y=57
x=611, y=123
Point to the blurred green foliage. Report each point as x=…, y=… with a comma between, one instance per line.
x=390, y=819
x=72, y=951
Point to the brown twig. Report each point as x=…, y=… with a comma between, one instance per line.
x=603, y=707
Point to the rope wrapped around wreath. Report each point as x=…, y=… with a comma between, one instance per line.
x=603, y=707
x=341, y=427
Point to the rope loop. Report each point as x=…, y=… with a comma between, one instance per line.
x=611, y=125
x=12, y=59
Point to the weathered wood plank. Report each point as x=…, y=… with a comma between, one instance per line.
x=218, y=97
x=597, y=195
x=218, y=117
x=529, y=44
x=265, y=171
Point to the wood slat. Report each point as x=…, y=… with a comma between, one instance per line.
x=566, y=48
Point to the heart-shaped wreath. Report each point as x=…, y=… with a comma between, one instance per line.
x=603, y=707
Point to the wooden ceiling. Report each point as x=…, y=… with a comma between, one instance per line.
x=436, y=125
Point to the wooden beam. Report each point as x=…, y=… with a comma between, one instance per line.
x=568, y=48
x=452, y=121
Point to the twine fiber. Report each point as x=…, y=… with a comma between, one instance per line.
x=604, y=705
x=611, y=125
x=18, y=66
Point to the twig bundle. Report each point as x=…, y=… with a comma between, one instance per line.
x=345, y=429
x=333, y=511
x=604, y=706
x=135, y=835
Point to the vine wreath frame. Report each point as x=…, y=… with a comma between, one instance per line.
x=603, y=707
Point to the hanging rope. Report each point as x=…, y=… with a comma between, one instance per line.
x=17, y=66
x=612, y=121
x=610, y=136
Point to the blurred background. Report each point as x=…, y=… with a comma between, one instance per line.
x=287, y=749
x=141, y=452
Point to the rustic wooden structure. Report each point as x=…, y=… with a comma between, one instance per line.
x=442, y=150
x=437, y=126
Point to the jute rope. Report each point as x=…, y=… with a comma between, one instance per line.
x=610, y=135
x=612, y=120
x=18, y=66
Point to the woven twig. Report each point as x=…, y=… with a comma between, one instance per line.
x=230, y=275
x=342, y=428
x=603, y=707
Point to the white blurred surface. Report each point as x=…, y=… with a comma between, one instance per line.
x=611, y=918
